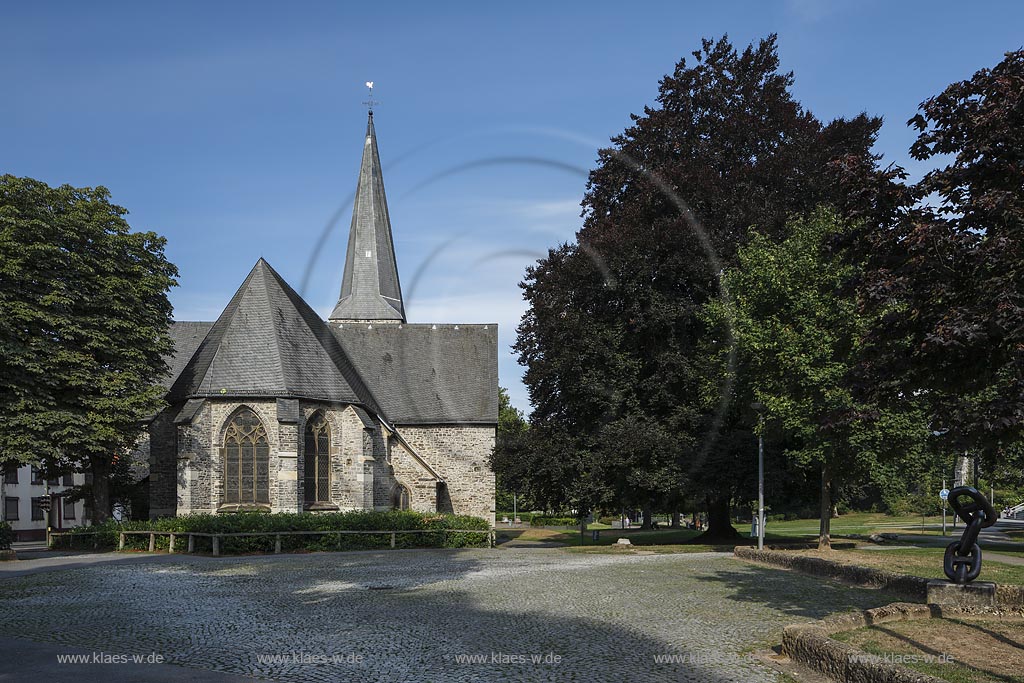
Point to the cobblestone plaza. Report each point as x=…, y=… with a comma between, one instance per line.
x=471, y=615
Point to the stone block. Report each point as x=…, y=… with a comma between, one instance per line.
x=971, y=595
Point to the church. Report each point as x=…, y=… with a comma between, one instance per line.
x=272, y=408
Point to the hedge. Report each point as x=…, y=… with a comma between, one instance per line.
x=554, y=521
x=107, y=535
x=6, y=536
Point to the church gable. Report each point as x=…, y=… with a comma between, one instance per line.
x=268, y=342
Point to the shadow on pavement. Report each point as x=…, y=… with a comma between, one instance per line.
x=388, y=618
x=796, y=594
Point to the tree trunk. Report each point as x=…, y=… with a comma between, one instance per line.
x=648, y=517
x=720, y=526
x=675, y=520
x=825, y=525
x=100, y=468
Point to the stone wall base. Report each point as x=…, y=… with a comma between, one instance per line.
x=811, y=645
x=906, y=587
x=979, y=594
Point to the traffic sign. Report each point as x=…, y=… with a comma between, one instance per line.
x=944, y=494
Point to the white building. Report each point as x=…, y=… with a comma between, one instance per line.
x=23, y=488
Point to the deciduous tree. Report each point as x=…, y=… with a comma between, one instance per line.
x=84, y=316
x=945, y=277
x=612, y=336
x=798, y=335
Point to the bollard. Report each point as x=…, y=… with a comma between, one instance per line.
x=152, y=542
x=216, y=546
x=170, y=547
x=120, y=542
x=277, y=544
x=191, y=543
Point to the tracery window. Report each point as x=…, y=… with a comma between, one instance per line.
x=246, y=460
x=317, y=469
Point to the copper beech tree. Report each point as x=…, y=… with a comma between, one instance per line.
x=612, y=337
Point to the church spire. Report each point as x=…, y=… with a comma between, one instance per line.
x=370, y=290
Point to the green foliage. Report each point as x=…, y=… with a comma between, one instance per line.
x=356, y=520
x=796, y=336
x=554, y=521
x=510, y=418
x=84, y=316
x=512, y=459
x=612, y=337
x=6, y=536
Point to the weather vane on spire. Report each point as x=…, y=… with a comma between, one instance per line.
x=370, y=102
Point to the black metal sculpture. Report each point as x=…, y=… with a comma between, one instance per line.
x=962, y=562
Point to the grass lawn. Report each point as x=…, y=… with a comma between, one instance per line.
x=854, y=523
x=668, y=549
x=960, y=650
x=659, y=540
x=925, y=562
x=571, y=537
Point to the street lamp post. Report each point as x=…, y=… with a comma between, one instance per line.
x=760, y=484
x=756, y=405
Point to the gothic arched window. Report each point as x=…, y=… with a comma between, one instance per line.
x=400, y=497
x=317, y=470
x=246, y=460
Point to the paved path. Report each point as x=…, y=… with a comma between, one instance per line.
x=50, y=561
x=423, y=615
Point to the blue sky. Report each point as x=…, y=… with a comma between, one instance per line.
x=235, y=129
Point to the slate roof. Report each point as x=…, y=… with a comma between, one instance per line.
x=370, y=289
x=427, y=374
x=187, y=336
x=269, y=342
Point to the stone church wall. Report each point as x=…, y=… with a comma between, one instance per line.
x=366, y=470
x=162, y=464
x=351, y=464
x=404, y=470
x=460, y=454
x=200, y=464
